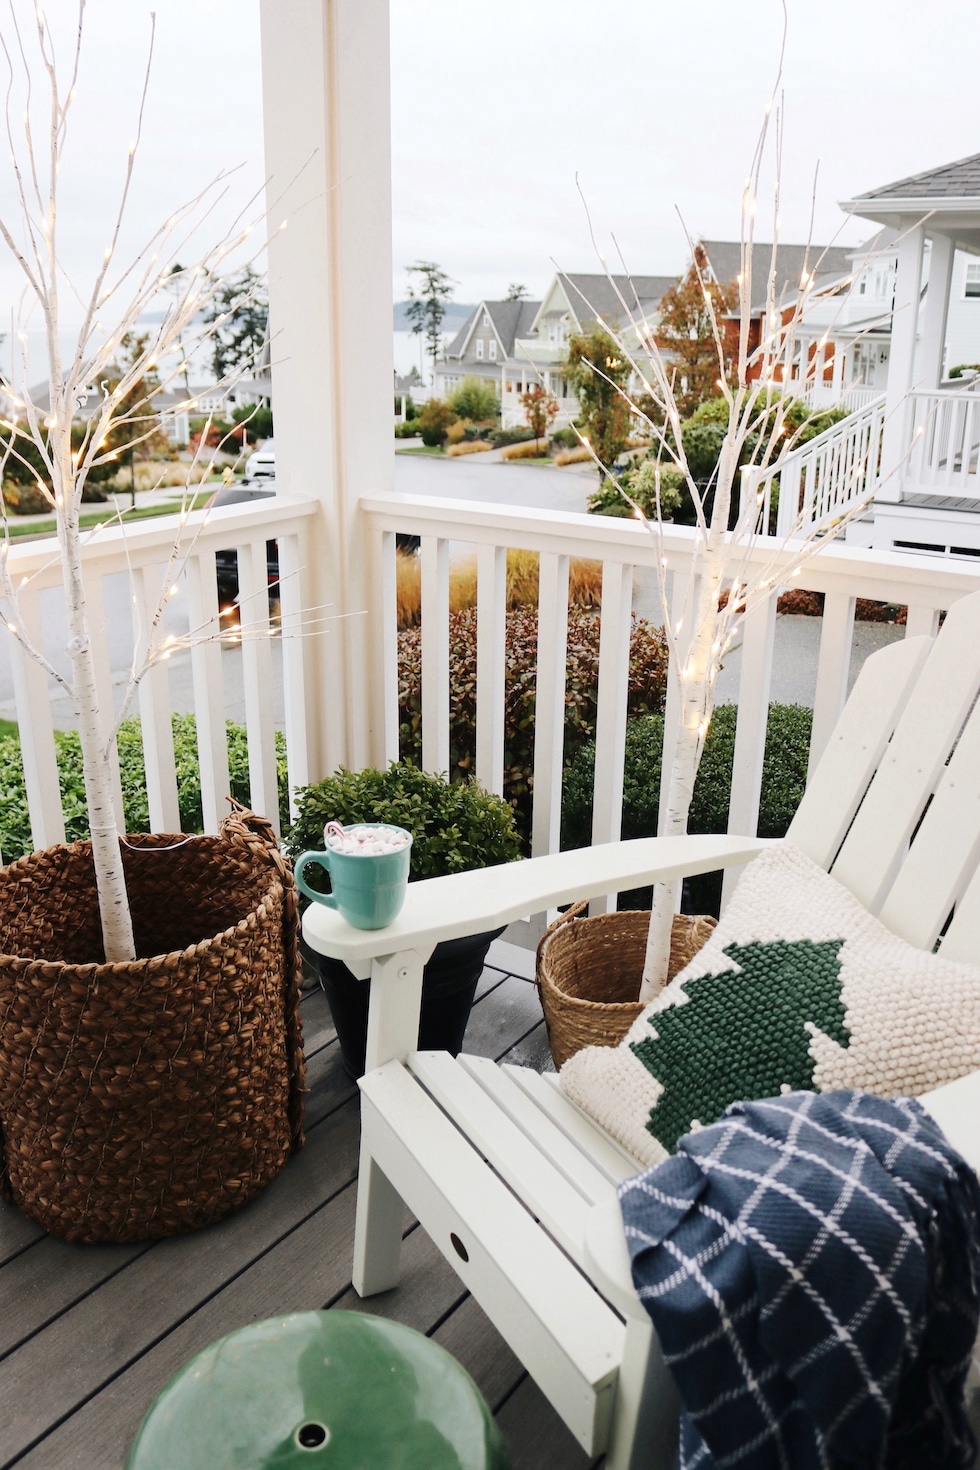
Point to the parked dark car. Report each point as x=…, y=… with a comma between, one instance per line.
x=244, y=492
x=241, y=492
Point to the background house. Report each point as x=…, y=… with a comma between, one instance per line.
x=518, y=343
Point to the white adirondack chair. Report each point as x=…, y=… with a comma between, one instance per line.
x=513, y=1183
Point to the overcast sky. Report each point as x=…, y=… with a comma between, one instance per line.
x=497, y=106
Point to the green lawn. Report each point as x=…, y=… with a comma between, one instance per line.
x=96, y=517
x=8, y=727
x=421, y=449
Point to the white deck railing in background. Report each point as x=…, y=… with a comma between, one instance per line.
x=143, y=551
x=627, y=553
x=944, y=432
x=826, y=477
x=819, y=395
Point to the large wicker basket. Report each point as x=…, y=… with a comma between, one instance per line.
x=588, y=973
x=144, y=1099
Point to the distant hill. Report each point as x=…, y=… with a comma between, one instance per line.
x=456, y=314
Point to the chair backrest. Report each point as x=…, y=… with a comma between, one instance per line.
x=893, y=807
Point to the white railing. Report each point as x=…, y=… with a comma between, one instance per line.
x=628, y=556
x=944, y=433
x=627, y=552
x=819, y=395
x=125, y=571
x=826, y=477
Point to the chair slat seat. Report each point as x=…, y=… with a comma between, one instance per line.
x=535, y=1296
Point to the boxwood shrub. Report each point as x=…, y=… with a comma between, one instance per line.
x=783, y=779
x=15, y=826
x=455, y=826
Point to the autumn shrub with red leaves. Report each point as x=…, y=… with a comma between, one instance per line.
x=810, y=605
x=647, y=687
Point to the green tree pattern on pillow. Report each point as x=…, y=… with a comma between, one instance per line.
x=742, y=1034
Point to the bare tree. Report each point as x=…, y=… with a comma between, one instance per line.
x=727, y=577
x=110, y=354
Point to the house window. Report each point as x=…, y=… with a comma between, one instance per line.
x=486, y=319
x=492, y=350
x=972, y=286
x=479, y=346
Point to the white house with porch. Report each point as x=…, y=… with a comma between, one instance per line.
x=911, y=447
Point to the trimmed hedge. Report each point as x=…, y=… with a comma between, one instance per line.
x=15, y=826
x=647, y=685
x=783, y=780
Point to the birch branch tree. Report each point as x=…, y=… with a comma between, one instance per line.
x=118, y=298
x=735, y=565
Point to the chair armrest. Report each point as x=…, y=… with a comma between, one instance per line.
x=487, y=898
x=608, y=1259
x=956, y=1108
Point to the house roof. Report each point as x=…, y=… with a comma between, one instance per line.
x=511, y=319
x=958, y=180
x=829, y=263
x=600, y=296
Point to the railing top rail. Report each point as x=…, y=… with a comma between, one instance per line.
x=947, y=394
x=884, y=576
x=139, y=541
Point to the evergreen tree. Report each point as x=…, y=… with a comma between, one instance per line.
x=427, y=304
x=599, y=372
x=238, y=341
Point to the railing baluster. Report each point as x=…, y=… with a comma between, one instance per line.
x=833, y=666
x=95, y=608
x=491, y=636
x=156, y=726
x=209, y=698
x=299, y=706
x=612, y=697
x=389, y=643
x=33, y=700
x=435, y=654
x=253, y=603
x=921, y=619
x=753, y=719
x=549, y=703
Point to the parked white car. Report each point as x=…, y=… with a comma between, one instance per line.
x=262, y=463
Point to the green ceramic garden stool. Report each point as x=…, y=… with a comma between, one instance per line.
x=320, y=1391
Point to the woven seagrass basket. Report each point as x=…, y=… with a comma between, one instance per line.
x=588, y=973
x=143, y=1099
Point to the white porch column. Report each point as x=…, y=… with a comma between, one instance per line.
x=936, y=311
x=901, y=361
x=326, y=91
x=837, y=382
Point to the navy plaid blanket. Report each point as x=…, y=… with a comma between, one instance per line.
x=811, y=1264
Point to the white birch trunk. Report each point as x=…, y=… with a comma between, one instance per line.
x=696, y=676
x=114, y=910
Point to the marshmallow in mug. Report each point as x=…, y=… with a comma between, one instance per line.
x=365, y=841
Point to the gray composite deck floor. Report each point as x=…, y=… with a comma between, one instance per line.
x=89, y=1334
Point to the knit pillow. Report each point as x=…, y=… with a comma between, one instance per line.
x=798, y=987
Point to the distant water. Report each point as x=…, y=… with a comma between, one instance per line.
x=407, y=353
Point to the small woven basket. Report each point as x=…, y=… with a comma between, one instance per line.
x=147, y=1098
x=588, y=973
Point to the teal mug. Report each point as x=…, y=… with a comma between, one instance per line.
x=368, y=887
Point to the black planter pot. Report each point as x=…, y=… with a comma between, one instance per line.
x=449, y=983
